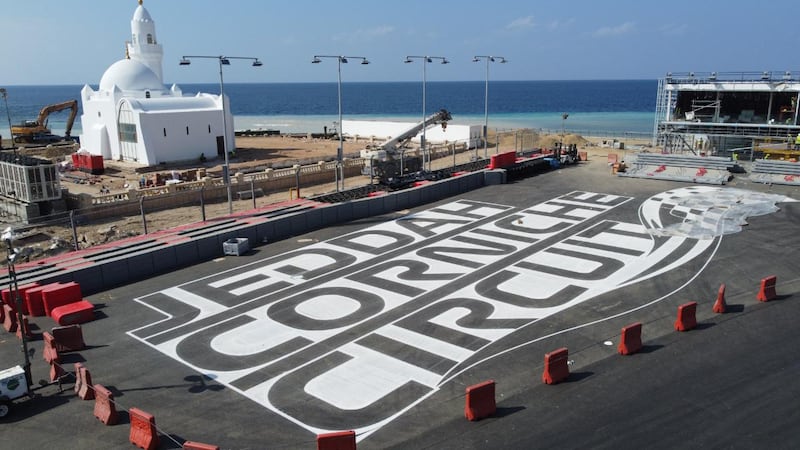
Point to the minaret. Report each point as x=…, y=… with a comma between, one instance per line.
x=144, y=46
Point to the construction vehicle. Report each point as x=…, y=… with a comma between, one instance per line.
x=387, y=161
x=37, y=130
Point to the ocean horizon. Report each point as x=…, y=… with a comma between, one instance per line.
x=604, y=107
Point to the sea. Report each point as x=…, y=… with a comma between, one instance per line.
x=599, y=108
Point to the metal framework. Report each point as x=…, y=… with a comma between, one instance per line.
x=727, y=111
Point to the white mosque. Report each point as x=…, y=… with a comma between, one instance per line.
x=133, y=117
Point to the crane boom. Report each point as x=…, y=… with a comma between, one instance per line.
x=382, y=159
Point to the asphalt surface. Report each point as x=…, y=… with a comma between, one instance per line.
x=272, y=349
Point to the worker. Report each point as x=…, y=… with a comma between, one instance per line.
x=797, y=142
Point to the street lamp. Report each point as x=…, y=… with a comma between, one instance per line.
x=4, y=93
x=425, y=61
x=501, y=60
x=13, y=288
x=223, y=61
x=340, y=151
x=563, y=122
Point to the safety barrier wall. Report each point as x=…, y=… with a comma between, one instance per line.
x=675, y=167
x=775, y=172
x=121, y=264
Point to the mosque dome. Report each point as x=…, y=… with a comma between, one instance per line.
x=130, y=75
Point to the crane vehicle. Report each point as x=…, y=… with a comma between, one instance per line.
x=388, y=161
x=36, y=130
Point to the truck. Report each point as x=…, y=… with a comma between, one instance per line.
x=13, y=385
x=387, y=161
x=37, y=130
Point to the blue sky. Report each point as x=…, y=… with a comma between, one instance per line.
x=73, y=42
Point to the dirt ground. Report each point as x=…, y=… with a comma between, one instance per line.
x=252, y=154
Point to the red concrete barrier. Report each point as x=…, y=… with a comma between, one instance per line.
x=502, y=160
x=73, y=313
x=189, y=445
x=687, y=317
x=767, y=291
x=2, y=312
x=60, y=294
x=720, y=306
x=68, y=338
x=631, y=339
x=50, y=350
x=583, y=156
x=556, y=367
x=143, y=429
x=340, y=440
x=613, y=158
x=10, y=319
x=12, y=302
x=33, y=301
x=480, y=402
x=104, y=408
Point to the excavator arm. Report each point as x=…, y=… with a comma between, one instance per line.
x=49, y=109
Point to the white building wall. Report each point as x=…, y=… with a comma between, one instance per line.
x=164, y=137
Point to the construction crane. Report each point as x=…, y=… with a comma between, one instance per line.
x=387, y=160
x=36, y=130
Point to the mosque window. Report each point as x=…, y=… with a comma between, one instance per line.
x=146, y=94
x=187, y=130
x=150, y=38
x=165, y=132
x=127, y=132
x=209, y=128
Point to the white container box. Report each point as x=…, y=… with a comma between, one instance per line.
x=12, y=383
x=236, y=246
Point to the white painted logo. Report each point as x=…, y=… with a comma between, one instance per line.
x=351, y=332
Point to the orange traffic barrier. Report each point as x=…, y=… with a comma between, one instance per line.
x=583, y=156
x=480, y=401
x=78, y=380
x=143, y=429
x=340, y=440
x=556, y=367
x=85, y=392
x=767, y=291
x=33, y=300
x=189, y=445
x=50, y=352
x=104, y=408
x=631, y=340
x=25, y=328
x=68, y=338
x=613, y=158
x=720, y=306
x=56, y=371
x=687, y=317
x=9, y=319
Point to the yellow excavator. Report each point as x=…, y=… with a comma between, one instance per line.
x=36, y=130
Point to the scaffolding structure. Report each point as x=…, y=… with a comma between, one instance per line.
x=727, y=112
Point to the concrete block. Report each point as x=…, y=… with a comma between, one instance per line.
x=377, y=206
x=283, y=228
x=164, y=259
x=361, y=208
x=299, y=223
x=141, y=266
x=330, y=215
x=413, y=198
x=314, y=218
x=186, y=253
x=265, y=231
x=115, y=272
x=208, y=248
x=345, y=212
x=402, y=199
x=90, y=278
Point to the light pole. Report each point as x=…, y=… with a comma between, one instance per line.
x=223, y=61
x=489, y=59
x=4, y=93
x=13, y=288
x=425, y=61
x=563, y=123
x=340, y=151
